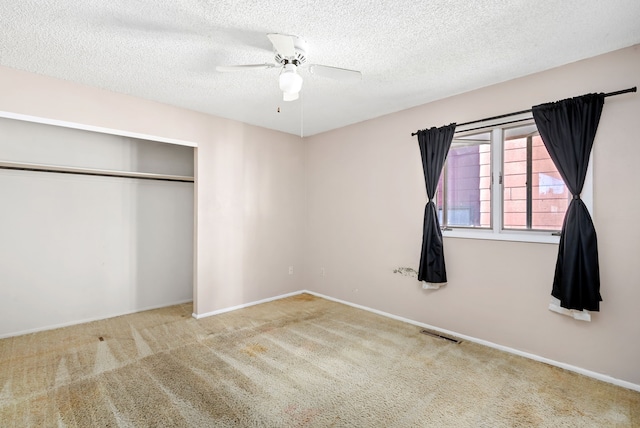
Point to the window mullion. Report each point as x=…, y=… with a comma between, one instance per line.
x=497, y=180
x=529, y=219
x=445, y=204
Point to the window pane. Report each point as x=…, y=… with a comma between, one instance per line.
x=440, y=198
x=467, y=194
x=536, y=199
x=550, y=196
x=515, y=184
x=485, y=185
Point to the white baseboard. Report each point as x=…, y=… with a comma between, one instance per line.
x=86, y=320
x=585, y=372
x=246, y=305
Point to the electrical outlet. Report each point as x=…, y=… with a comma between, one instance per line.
x=290, y=270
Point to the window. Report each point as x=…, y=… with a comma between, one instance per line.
x=500, y=183
x=463, y=196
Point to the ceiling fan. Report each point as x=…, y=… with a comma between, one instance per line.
x=291, y=56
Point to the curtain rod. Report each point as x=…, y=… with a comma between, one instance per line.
x=610, y=94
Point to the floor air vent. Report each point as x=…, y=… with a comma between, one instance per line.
x=439, y=336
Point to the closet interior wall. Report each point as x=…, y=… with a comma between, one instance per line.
x=78, y=247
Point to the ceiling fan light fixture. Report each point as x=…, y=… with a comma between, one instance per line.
x=286, y=96
x=290, y=81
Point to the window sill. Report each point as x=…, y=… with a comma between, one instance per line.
x=514, y=236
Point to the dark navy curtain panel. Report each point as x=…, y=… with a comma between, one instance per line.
x=434, y=146
x=568, y=128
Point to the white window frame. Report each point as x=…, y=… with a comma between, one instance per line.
x=495, y=231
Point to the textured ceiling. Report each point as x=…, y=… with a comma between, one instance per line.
x=409, y=52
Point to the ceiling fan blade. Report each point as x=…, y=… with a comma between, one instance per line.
x=288, y=96
x=283, y=44
x=230, y=68
x=336, y=73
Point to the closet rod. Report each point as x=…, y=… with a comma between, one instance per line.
x=610, y=94
x=19, y=166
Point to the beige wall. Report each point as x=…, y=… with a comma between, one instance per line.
x=250, y=215
x=366, y=199
x=250, y=183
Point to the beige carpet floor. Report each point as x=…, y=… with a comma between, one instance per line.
x=302, y=361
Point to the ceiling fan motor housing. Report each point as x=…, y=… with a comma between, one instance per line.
x=300, y=56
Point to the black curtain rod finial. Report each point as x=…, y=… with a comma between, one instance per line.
x=624, y=91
